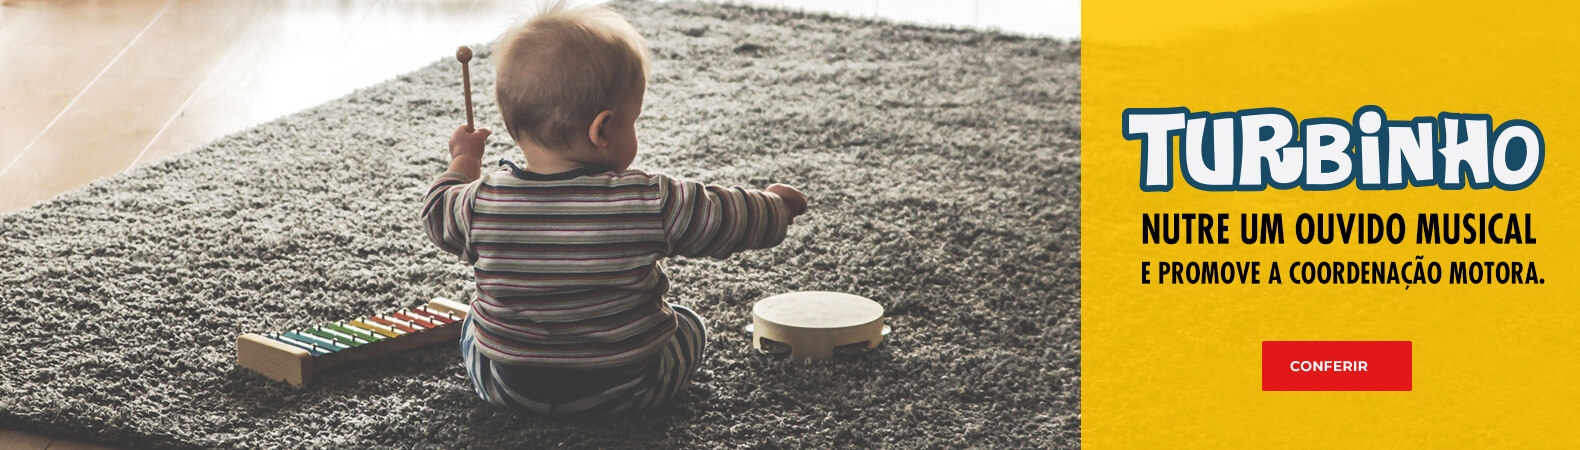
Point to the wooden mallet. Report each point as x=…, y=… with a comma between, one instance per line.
x=464, y=55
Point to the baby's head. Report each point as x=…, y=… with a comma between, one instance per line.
x=569, y=82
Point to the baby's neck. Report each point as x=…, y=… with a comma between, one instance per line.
x=552, y=167
x=546, y=162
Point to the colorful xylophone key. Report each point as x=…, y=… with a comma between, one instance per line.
x=295, y=356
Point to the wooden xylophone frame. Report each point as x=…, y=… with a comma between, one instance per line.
x=274, y=358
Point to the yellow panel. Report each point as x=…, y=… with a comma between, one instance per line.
x=1179, y=365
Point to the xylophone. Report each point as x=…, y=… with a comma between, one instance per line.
x=295, y=356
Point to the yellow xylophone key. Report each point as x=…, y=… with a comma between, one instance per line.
x=376, y=329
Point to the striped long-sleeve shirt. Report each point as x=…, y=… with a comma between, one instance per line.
x=566, y=264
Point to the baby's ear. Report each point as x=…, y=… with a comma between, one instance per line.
x=595, y=131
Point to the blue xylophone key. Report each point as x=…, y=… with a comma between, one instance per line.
x=332, y=347
x=298, y=344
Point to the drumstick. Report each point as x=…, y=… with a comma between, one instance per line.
x=464, y=55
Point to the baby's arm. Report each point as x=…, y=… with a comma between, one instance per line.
x=447, y=209
x=712, y=220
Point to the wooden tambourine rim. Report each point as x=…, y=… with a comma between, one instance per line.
x=812, y=334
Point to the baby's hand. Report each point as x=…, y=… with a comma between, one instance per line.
x=467, y=142
x=793, y=198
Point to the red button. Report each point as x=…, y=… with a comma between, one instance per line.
x=1336, y=365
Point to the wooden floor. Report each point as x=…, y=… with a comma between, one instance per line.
x=92, y=88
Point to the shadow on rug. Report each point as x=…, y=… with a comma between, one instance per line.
x=943, y=168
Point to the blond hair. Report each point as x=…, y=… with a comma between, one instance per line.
x=555, y=71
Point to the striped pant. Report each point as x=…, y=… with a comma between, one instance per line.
x=590, y=393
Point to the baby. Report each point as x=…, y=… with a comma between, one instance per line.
x=570, y=317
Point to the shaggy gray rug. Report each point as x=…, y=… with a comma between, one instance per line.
x=943, y=167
